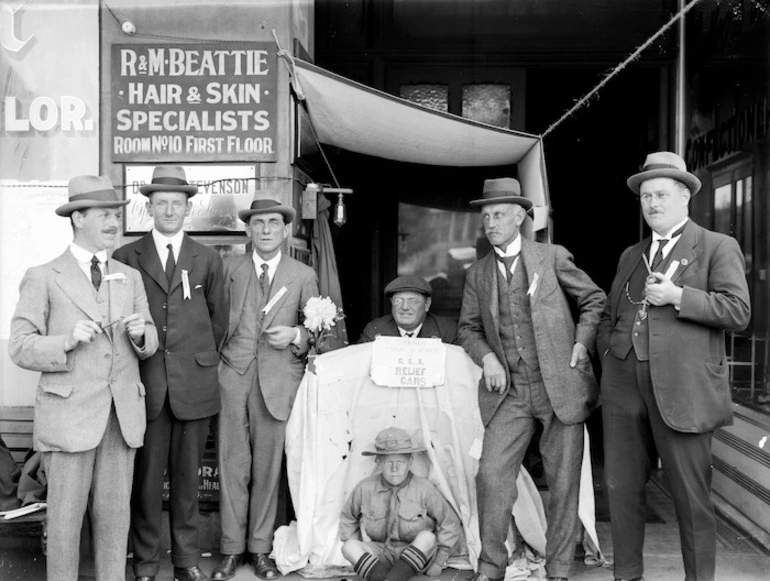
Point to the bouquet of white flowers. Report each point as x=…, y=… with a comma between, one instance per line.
x=321, y=314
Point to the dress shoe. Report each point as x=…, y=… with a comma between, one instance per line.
x=145, y=578
x=634, y=579
x=189, y=574
x=264, y=567
x=482, y=577
x=226, y=568
x=558, y=579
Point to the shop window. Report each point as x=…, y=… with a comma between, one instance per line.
x=434, y=97
x=489, y=104
x=734, y=208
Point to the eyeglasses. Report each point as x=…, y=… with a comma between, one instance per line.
x=657, y=196
x=410, y=302
x=395, y=463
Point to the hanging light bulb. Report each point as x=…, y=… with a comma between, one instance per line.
x=340, y=211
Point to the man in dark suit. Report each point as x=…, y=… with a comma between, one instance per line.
x=517, y=325
x=410, y=301
x=185, y=289
x=82, y=321
x=664, y=382
x=262, y=366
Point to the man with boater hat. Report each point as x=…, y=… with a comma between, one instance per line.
x=396, y=524
x=82, y=321
x=517, y=325
x=664, y=379
x=185, y=289
x=410, y=302
x=262, y=366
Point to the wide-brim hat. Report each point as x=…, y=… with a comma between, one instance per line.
x=169, y=178
x=502, y=191
x=266, y=206
x=392, y=441
x=90, y=192
x=408, y=282
x=664, y=164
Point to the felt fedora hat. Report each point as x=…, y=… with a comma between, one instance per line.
x=407, y=282
x=502, y=191
x=664, y=164
x=266, y=206
x=392, y=441
x=168, y=178
x=90, y=192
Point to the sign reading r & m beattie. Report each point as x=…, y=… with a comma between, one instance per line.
x=194, y=102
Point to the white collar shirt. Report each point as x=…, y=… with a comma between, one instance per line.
x=513, y=249
x=84, y=257
x=656, y=238
x=414, y=332
x=272, y=264
x=161, y=245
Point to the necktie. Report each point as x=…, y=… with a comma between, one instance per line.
x=96, y=273
x=170, y=263
x=264, y=280
x=410, y=335
x=507, y=262
x=662, y=243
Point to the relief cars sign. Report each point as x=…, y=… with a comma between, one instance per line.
x=194, y=102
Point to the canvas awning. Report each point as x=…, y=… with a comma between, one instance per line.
x=361, y=119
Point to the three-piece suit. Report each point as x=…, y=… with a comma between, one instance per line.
x=89, y=405
x=665, y=387
x=433, y=326
x=258, y=387
x=527, y=323
x=182, y=395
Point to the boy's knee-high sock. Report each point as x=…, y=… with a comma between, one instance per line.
x=371, y=568
x=411, y=561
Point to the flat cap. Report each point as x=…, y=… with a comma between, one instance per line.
x=408, y=282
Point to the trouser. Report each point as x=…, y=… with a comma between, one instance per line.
x=99, y=481
x=505, y=442
x=633, y=430
x=178, y=445
x=250, y=450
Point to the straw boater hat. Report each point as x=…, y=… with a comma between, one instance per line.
x=664, y=164
x=502, y=191
x=263, y=206
x=168, y=178
x=90, y=192
x=407, y=282
x=392, y=441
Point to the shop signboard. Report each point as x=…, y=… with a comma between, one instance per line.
x=223, y=190
x=194, y=102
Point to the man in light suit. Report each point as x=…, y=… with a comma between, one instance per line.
x=262, y=366
x=664, y=382
x=83, y=321
x=185, y=289
x=516, y=324
x=410, y=302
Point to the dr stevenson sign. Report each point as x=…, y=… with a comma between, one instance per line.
x=194, y=102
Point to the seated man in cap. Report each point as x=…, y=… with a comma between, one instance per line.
x=410, y=301
x=417, y=537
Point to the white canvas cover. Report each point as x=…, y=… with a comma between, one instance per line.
x=337, y=414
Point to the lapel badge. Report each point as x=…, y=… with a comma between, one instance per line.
x=684, y=262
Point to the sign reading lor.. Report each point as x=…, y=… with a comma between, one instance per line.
x=403, y=362
x=194, y=102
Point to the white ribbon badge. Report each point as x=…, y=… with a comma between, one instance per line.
x=533, y=286
x=274, y=300
x=186, y=284
x=116, y=276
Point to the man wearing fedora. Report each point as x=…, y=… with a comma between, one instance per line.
x=185, y=289
x=664, y=380
x=409, y=297
x=82, y=320
x=517, y=325
x=418, y=536
x=262, y=366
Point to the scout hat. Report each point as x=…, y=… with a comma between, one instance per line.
x=263, y=206
x=408, y=282
x=502, y=191
x=664, y=164
x=392, y=441
x=90, y=192
x=168, y=178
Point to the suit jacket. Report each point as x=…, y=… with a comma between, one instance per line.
x=280, y=370
x=185, y=365
x=77, y=388
x=551, y=275
x=687, y=347
x=433, y=326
